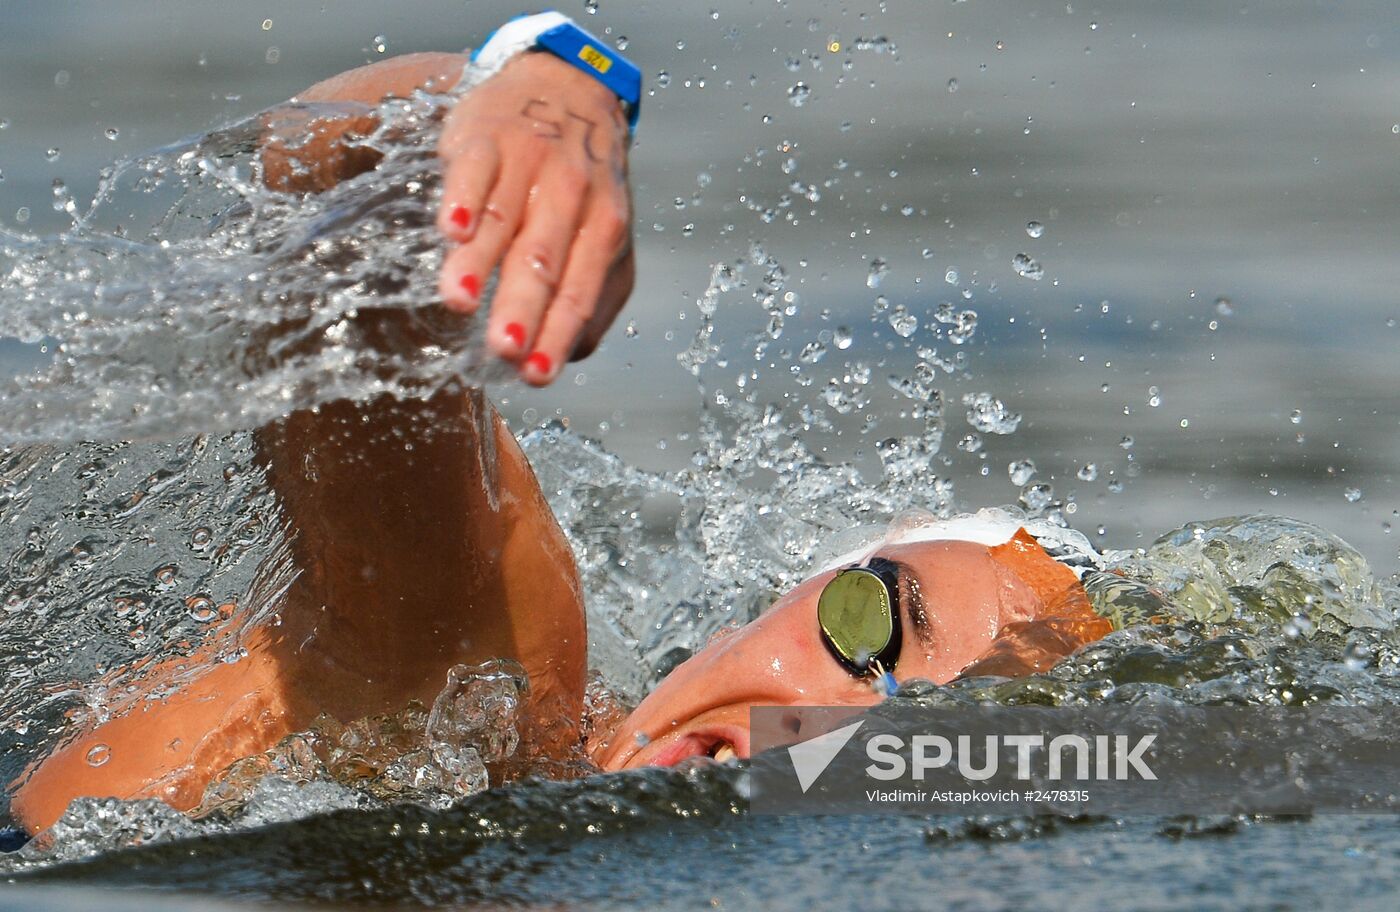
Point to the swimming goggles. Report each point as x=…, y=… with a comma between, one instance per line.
x=859, y=616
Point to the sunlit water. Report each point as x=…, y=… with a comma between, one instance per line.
x=187, y=300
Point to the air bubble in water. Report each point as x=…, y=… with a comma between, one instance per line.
x=799, y=94
x=1035, y=229
x=98, y=755
x=878, y=270
x=1020, y=471
x=1026, y=267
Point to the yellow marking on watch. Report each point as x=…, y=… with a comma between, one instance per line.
x=594, y=58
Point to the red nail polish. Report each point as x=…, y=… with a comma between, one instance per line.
x=540, y=363
x=471, y=285
x=516, y=334
x=461, y=216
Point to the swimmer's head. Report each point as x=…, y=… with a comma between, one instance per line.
x=951, y=597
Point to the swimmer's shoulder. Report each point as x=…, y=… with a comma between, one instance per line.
x=396, y=77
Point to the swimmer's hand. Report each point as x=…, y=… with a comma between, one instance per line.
x=535, y=180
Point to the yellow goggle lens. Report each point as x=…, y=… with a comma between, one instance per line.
x=855, y=616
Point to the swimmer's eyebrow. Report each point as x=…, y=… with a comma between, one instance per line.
x=911, y=594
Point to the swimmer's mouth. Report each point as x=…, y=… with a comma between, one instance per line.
x=721, y=744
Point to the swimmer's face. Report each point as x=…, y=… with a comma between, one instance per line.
x=953, y=598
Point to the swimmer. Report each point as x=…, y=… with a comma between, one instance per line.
x=412, y=560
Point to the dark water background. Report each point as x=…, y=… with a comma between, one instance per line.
x=1175, y=153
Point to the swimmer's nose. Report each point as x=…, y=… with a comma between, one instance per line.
x=703, y=706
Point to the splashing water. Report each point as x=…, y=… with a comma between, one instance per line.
x=190, y=298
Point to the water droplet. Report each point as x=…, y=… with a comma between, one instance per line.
x=1001, y=45
x=52, y=153
x=1020, y=471
x=904, y=323
x=1088, y=472
x=843, y=338
x=379, y=44
x=989, y=414
x=1035, y=229
x=621, y=43
x=165, y=576
x=112, y=133
x=1352, y=494
x=22, y=214
x=1026, y=267
x=201, y=608
x=631, y=329
x=99, y=754
x=273, y=54
x=267, y=25
x=62, y=78
x=1357, y=656
x=951, y=277
x=952, y=86
x=1224, y=307
x=663, y=79
x=1037, y=497
x=1296, y=416
x=799, y=94
x=878, y=270
x=200, y=538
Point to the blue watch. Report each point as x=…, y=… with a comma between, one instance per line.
x=556, y=33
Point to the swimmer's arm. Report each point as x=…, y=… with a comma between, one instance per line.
x=535, y=183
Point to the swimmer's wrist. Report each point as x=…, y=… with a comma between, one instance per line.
x=555, y=74
x=552, y=34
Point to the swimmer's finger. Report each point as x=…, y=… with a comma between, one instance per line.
x=576, y=308
x=534, y=264
x=466, y=268
x=467, y=179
